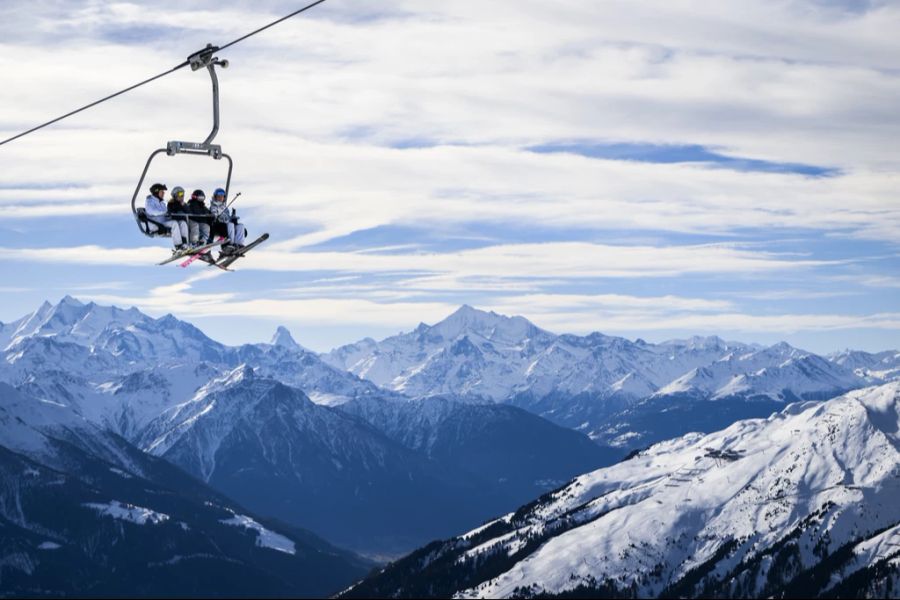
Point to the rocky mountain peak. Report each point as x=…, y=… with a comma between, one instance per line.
x=491, y=325
x=284, y=339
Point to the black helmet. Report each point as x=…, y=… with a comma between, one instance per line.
x=154, y=189
x=198, y=195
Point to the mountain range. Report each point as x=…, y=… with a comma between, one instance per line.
x=611, y=388
x=378, y=446
x=286, y=434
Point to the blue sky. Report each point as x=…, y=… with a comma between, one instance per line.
x=650, y=169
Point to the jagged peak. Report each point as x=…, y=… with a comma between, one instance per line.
x=284, y=339
x=468, y=319
x=784, y=349
x=167, y=319
x=70, y=301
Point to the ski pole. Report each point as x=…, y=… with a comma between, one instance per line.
x=227, y=206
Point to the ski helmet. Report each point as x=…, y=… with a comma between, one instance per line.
x=154, y=189
x=177, y=191
x=219, y=192
x=198, y=195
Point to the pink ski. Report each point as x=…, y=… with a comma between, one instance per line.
x=206, y=253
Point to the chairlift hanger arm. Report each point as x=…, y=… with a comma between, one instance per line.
x=206, y=58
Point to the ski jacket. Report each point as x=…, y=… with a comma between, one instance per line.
x=175, y=209
x=154, y=206
x=197, y=209
x=219, y=211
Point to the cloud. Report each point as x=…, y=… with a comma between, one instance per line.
x=554, y=260
x=419, y=116
x=781, y=325
x=87, y=255
x=562, y=314
x=754, y=90
x=313, y=311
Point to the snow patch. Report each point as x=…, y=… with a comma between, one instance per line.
x=128, y=512
x=265, y=538
x=49, y=546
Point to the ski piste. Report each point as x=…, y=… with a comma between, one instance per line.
x=225, y=261
x=204, y=256
x=198, y=250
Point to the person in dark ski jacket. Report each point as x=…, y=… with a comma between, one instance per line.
x=200, y=218
x=175, y=207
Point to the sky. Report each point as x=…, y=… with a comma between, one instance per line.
x=645, y=169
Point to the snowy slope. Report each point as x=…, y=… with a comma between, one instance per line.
x=48, y=432
x=298, y=367
x=779, y=372
x=796, y=504
x=83, y=512
x=508, y=449
x=876, y=367
x=271, y=448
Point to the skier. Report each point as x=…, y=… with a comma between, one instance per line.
x=199, y=218
x=226, y=225
x=157, y=217
x=175, y=207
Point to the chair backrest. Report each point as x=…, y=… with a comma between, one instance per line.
x=144, y=223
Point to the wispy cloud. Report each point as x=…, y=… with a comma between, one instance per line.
x=419, y=117
x=543, y=260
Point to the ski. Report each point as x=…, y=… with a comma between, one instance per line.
x=189, y=252
x=204, y=256
x=225, y=261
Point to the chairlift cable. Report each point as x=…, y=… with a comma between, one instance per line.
x=272, y=24
x=110, y=97
x=155, y=77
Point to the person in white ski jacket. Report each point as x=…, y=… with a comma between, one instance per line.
x=158, y=214
x=224, y=224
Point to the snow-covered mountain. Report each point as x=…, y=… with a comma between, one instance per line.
x=128, y=335
x=230, y=415
x=510, y=450
x=476, y=354
x=779, y=372
x=469, y=354
x=241, y=417
x=583, y=381
x=85, y=513
x=269, y=447
x=106, y=345
x=803, y=503
x=880, y=366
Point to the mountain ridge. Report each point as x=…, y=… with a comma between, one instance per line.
x=795, y=504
